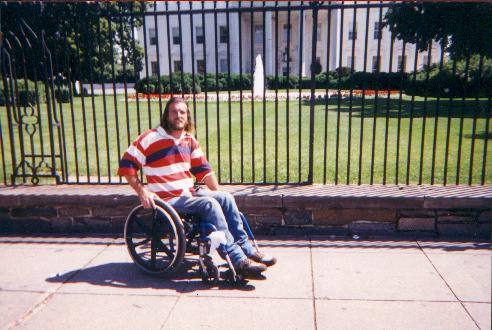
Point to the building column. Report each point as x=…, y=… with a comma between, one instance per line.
x=234, y=39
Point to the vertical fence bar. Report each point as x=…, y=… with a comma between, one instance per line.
x=229, y=89
x=93, y=103
x=125, y=85
x=376, y=97
x=488, y=114
x=276, y=91
x=135, y=72
x=4, y=59
x=217, y=90
x=50, y=107
x=205, y=80
x=448, y=130
x=17, y=114
x=241, y=123
x=264, y=90
x=252, y=98
x=388, y=101
x=169, y=57
x=339, y=95
x=436, y=118
x=351, y=96
x=31, y=138
x=327, y=96
x=116, y=115
x=462, y=114
x=475, y=114
x=313, y=87
x=72, y=115
x=102, y=80
x=193, y=77
x=146, y=59
x=426, y=66
x=287, y=121
x=363, y=101
x=158, y=56
x=180, y=27
x=409, y=150
x=82, y=100
x=400, y=99
x=299, y=124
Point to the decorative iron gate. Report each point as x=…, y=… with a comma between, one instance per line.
x=35, y=152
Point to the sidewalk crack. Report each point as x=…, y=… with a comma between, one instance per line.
x=447, y=284
x=170, y=312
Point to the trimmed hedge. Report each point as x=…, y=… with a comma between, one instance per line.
x=430, y=81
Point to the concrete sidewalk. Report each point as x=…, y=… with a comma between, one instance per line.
x=54, y=282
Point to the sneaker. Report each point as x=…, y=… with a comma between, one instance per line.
x=263, y=259
x=248, y=267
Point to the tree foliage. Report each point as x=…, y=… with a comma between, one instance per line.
x=463, y=28
x=83, y=38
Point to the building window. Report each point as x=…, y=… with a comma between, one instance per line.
x=178, y=67
x=199, y=35
x=378, y=33
x=376, y=63
x=223, y=65
x=351, y=62
x=352, y=35
x=286, y=31
x=258, y=34
x=153, y=66
x=152, y=37
x=176, y=36
x=200, y=64
x=285, y=73
x=402, y=63
x=224, y=34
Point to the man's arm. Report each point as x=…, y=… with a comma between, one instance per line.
x=211, y=182
x=146, y=197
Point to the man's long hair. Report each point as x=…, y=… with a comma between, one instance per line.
x=189, y=128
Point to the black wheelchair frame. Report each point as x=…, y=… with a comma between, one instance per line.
x=158, y=239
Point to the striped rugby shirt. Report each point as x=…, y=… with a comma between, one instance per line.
x=168, y=163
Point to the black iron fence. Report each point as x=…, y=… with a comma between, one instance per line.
x=344, y=101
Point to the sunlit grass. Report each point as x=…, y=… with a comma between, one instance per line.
x=269, y=141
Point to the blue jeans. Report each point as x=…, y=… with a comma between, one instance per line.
x=219, y=209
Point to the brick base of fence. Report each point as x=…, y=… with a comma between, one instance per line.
x=463, y=211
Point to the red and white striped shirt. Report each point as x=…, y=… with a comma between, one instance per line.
x=168, y=163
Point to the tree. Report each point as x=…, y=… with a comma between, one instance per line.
x=463, y=28
x=84, y=38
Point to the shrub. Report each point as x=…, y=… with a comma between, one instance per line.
x=62, y=95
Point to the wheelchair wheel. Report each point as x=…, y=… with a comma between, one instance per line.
x=155, y=239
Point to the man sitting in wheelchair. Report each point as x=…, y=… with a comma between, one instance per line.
x=170, y=156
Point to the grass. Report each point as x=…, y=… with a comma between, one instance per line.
x=250, y=141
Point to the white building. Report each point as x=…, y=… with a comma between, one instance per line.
x=337, y=40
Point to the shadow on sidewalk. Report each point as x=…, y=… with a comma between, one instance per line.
x=126, y=275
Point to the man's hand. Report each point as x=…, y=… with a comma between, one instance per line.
x=146, y=197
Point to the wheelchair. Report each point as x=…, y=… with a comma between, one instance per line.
x=158, y=240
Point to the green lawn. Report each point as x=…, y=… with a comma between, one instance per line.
x=100, y=142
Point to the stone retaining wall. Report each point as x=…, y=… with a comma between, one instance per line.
x=269, y=210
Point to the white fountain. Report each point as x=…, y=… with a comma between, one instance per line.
x=258, y=79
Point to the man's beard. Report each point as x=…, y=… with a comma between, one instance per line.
x=177, y=127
